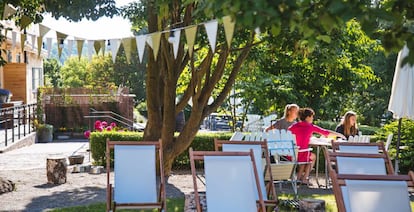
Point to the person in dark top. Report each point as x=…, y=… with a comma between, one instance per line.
x=348, y=126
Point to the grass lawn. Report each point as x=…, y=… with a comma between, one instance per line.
x=177, y=204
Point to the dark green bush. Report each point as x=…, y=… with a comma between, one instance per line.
x=368, y=130
x=203, y=141
x=407, y=139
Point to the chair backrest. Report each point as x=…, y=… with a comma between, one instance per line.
x=359, y=138
x=358, y=147
x=135, y=185
x=237, y=136
x=231, y=185
x=282, y=145
x=388, y=142
x=262, y=163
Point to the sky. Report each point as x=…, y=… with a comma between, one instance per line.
x=103, y=28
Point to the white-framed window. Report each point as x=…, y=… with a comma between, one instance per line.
x=37, y=78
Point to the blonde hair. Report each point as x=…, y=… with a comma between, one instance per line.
x=288, y=108
x=348, y=129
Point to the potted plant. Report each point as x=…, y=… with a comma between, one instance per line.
x=44, y=133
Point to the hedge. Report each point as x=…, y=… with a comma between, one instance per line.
x=203, y=141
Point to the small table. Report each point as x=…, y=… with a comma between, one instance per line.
x=318, y=142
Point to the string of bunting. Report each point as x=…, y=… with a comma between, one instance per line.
x=152, y=39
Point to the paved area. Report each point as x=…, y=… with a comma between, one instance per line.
x=34, y=156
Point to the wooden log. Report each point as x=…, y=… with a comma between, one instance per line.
x=312, y=205
x=56, y=169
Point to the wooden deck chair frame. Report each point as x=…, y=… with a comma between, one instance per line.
x=199, y=156
x=381, y=151
x=270, y=189
x=338, y=180
x=161, y=203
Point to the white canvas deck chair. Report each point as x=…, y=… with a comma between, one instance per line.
x=135, y=175
x=351, y=168
x=262, y=163
x=231, y=185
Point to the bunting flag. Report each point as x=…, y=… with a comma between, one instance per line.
x=190, y=34
x=8, y=11
x=175, y=41
x=70, y=47
x=48, y=46
x=140, y=40
x=14, y=37
x=102, y=43
x=155, y=42
x=25, y=21
x=90, y=49
x=127, y=43
x=43, y=30
x=97, y=46
x=39, y=46
x=113, y=47
x=211, y=28
x=60, y=38
x=22, y=41
x=33, y=39
x=79, y=46
x=228, y=28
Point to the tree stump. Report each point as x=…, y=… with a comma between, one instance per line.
x=56, y=170
x=6, y=186
x=312, y=205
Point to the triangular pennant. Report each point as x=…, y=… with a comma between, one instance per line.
x=155, y=37
x=149, y=41
x=79, y=46
x=141, y=46
x=113, y=47
x=228, y=28
x=22, y=41
x=60, y=39
x=90, y=49
x=127, y=43
x=70, y=47
x=97, y=46
x=14, y=37
x=211, y=28
x=8, y=11
x=102, y=42
x=48, y=46
x=33, y=39
x=43, y=30
x=190, y=34
x=25, y=21
x=176, y=42
x=39, y=46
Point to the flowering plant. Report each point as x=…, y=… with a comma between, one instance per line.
x=100, y=126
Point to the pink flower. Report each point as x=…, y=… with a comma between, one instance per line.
x=113, y=125
x=98, y=124
x=99, y=128
x=109, y=128
x=104, y=124
x=87, y=134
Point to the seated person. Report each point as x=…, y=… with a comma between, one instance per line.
x=303, y=131
x=348, y=126
x=289, y=117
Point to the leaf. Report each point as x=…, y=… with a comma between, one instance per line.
x=325, y=38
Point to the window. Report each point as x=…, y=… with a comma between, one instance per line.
x=37, y=78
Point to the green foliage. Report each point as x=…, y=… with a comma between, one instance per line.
x=368, y=130
x=51, y=68
x=203, y=141
x=98, y=142
x=407, y=140
x=74, y=73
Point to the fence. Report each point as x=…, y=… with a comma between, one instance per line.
x=16, y=122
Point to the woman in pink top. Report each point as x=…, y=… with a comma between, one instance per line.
x=303, y=131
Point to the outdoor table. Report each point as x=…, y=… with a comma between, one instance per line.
x=318, y=143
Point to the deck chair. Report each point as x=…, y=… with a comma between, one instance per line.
x=231, y=185
x=368, y=189
x=237, y=136
x=135, y=175
x=388, y=142
x=364, y=166
x=357, y=147
x=282, y=147
x=263, y=164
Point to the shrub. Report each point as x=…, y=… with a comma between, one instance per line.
x=203, y=141
x=407, y=139
x=368, y=130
